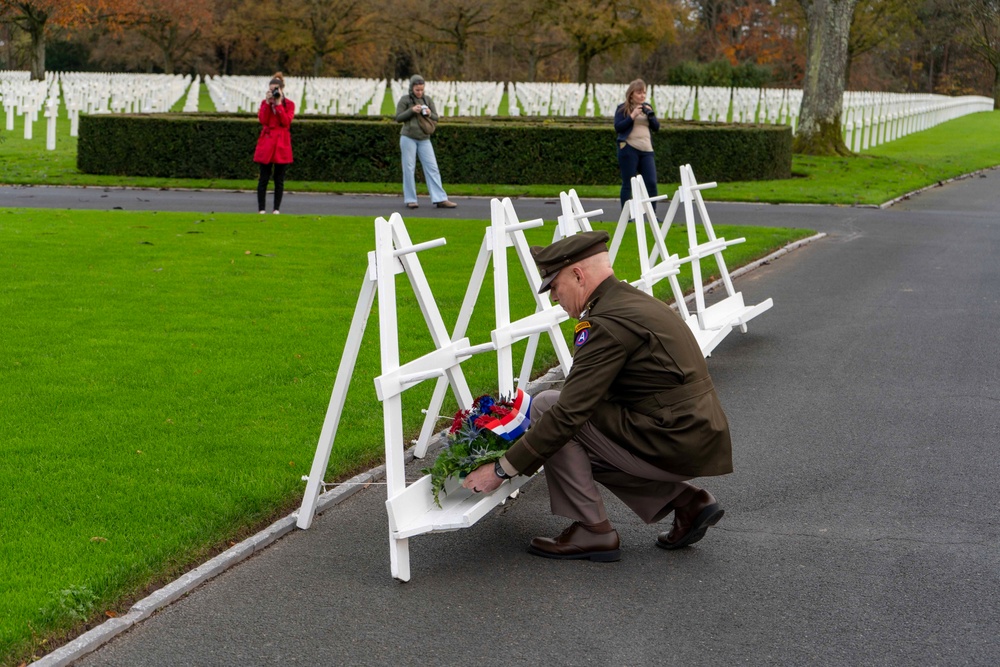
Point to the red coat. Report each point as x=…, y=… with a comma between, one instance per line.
x=275, y=141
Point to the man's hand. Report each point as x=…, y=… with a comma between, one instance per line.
x=482, y=479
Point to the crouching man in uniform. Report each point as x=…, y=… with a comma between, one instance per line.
x=638, y=413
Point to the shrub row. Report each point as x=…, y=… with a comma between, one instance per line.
x=469, y=150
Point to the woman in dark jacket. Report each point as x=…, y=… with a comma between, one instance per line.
x=634, y=123
x=274, y=145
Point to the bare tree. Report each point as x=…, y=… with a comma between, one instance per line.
x=819, y=130
x=454, y=24
x=329, y=26
x=595, y=27
x=983, y=22
x=878, y=24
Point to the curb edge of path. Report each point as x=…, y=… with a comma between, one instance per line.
x=960, y=177
x=102, y=634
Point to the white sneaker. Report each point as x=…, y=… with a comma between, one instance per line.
x=276, y=212
x=263, y=212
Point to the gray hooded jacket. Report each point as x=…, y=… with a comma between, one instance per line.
x=405, y=115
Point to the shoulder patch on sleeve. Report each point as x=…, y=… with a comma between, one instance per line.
x=580, y=326
x=582, y=335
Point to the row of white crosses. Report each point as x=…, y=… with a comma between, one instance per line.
x=26, y=98
x=457, y=98
x=101, y=92
x=86, y=93
x=547, y=99
x=243, y=94
x=870, y=119
x=342, y=96
x=411, y=508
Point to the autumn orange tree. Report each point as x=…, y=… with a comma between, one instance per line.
x=39, y=17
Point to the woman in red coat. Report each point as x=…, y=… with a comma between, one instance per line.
x=274, y=146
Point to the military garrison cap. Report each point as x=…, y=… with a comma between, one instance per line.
x=552, y=258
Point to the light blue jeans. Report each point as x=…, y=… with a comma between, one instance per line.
x=411, y=149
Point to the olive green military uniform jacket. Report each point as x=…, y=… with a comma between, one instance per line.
x=640, y=378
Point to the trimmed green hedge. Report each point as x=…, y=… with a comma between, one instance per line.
x=469, y=150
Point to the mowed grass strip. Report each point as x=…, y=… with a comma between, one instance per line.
x=165, y=378
x=958, y=147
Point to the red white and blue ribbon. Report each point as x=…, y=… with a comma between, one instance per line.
x=514, y=424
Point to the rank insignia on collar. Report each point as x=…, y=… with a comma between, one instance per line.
x=582, y=336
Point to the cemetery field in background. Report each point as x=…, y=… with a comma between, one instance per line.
x=165, y=381
x=958, y=147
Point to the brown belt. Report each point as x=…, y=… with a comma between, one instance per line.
x=673, y=396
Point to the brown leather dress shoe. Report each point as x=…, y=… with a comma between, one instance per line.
x=578, y=543
x=692, y=518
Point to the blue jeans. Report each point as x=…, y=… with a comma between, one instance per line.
x=411, y=149
x=632, y=162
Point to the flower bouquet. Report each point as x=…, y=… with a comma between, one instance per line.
x=479, y=436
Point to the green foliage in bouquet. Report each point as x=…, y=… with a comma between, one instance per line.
x=471, y=443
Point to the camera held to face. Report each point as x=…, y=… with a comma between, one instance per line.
x=276, y=93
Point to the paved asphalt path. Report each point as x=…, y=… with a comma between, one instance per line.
x=861, y=523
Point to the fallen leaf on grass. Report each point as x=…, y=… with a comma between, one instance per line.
x=248, y=252
x=98, y=539
x=110, y=614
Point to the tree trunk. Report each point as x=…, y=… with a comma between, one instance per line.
x=996, y=86
x=582, y=66
x=37, y=32
x=819, y=130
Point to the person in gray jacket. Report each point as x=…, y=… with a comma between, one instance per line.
x=414, y=142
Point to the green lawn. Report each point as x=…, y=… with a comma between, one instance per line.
x=165, y=381
x=958, y=147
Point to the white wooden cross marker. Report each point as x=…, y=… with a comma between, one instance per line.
x=640, y=210
x=505, y=231
x=730, y=311
x=573, y=219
